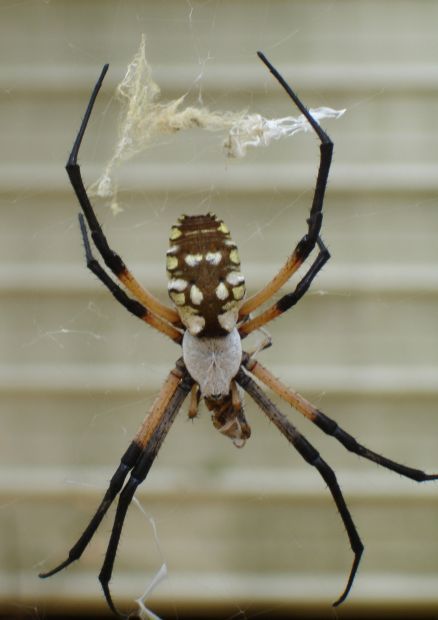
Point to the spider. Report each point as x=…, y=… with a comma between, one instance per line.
x=209, y=319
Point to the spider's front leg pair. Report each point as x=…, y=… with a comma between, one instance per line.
x=144, y=305
x=306, y=245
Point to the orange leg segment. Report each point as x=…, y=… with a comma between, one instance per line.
x=147, y=299
x=329, y=426
x=289, y=299
x=290, y=396
x=292, y=264
x=159, y=407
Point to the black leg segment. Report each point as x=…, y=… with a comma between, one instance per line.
x=127, y=462
x=138, y=474
x=112, y=260
x=309, y=454
x=132, y=305
x=330, y=427
x=307, y=243
x=290, y=299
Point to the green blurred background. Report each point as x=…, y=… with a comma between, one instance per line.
x=242, y=532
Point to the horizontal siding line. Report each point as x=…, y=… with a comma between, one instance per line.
x=291, y=484
x=232, y=177
x=347, y=279
x=79, y=379
x=232, y=77
x=229, y=591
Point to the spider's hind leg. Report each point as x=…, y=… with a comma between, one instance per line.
x=138, y=460
x=307, y=243
x=311, y=456
x=127, y=462
x=330, y=426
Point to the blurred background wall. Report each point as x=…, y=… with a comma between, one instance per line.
x=240, y=531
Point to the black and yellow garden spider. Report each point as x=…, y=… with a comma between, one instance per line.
x=209, y=320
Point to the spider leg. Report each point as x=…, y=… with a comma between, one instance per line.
x=132, y=305
x=153, y=437
x=112, y=260
x=309, y=454
x=265, y=343
x=308, y=242
x=127, y=462
x=166, y=405
x=290, y=299
x=329, y=426
x=195, y=397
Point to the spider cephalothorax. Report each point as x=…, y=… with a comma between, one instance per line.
x=210, y=319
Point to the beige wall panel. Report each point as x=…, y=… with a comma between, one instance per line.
x=238, y=529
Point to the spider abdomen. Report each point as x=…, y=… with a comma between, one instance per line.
x=205, y=281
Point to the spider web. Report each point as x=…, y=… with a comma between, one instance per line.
x=81, y=46
x=143, y=118
x=143, y=611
